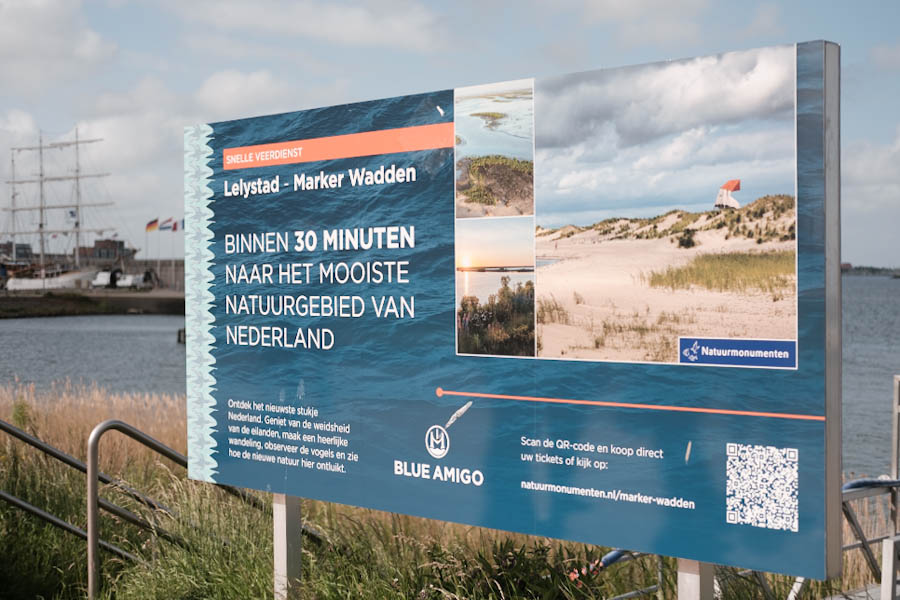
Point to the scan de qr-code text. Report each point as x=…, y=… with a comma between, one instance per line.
x=761, y=486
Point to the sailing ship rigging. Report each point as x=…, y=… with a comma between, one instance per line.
x=48, y=272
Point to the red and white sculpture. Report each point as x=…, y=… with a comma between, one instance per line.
x=725, y=199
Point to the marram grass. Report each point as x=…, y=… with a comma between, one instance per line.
x=228, y=545
x=768, y=272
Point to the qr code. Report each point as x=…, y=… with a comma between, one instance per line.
x=761, y=486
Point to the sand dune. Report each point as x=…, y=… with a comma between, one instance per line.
x=607, y=310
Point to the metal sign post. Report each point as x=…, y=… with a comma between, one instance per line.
x=287, y=542
x=695, y=580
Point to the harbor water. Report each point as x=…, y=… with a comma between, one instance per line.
x=140, y=353
x=121, y=353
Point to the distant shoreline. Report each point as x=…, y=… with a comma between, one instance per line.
x=71, y=303
x=872, y=271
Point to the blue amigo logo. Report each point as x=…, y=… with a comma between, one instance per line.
x=437, y=441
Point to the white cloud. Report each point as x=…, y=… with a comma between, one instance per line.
x=17, y=124
x=147, y=93
x=710, y=146
x=405, y=24
x=887, y=56
x=871, y=177
x=233, y=94
x=222, y=45
x=642, y=140
x=645, y=102
x=870, y=209
x=635, y=10
x=660, y=22
x=767, y=21
x=46, y=42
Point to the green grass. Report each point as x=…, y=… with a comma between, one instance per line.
x=228, y=554
x=480, y=195
x=770, y=272
x=480, y=163
x=770, y=218
x=481, y=171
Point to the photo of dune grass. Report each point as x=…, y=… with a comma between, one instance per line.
x=494, y=150
x=655, y=224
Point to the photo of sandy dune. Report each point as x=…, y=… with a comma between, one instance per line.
x=627, y=289
x=665, y=208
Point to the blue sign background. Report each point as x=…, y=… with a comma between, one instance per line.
x=382, y=375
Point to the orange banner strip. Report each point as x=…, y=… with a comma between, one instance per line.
x=368, y=143
x=715, y=411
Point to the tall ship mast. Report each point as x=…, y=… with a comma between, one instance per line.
x=23, y=272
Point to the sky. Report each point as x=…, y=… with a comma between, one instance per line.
x=495, y=242
x=640, y=141
x=134, y=73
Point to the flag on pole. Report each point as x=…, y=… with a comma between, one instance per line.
x=152, y=225
x=174, y=226
x=166, y=225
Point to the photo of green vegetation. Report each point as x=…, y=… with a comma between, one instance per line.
x=494, y=181
x=504, y=325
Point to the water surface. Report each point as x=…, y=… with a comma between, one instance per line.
x=871, y=345
x=122, y=353
x=508, y=136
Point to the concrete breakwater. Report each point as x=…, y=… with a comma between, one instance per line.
x=83, y=302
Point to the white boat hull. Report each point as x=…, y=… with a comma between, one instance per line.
x=70, y=280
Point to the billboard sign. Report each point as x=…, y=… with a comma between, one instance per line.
x=603, y=306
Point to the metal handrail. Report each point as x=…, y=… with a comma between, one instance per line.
x=73, y=462
x=123, y=513
x=109, y=507
x=93, y=492
x=64, y=525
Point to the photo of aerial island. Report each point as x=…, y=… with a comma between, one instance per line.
x=495, y=149
x=495, y=286
x=666, y=206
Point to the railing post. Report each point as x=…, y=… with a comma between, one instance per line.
x=93, y=526
x=695, y=580
x=889, y=563
x=287, y=542
x=895, y=454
